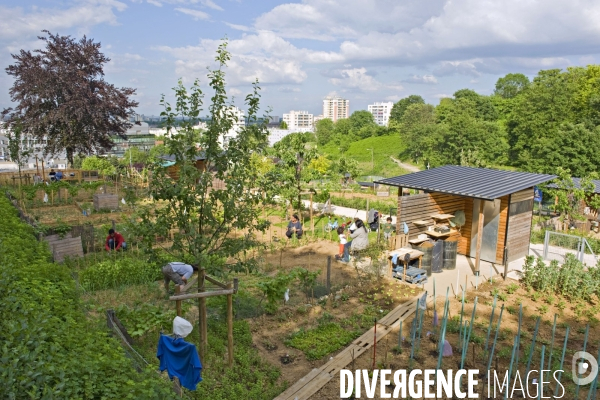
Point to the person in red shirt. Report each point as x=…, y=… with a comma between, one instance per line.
x=115, y=241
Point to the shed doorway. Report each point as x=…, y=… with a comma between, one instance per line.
x=491, y=220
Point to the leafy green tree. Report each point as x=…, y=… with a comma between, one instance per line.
x=296, y=152
x=100, y=164
x=568, y=195
x=483, y=104
x=283, y=125
x=511, y=85
x=400, y=107
x=537, y=117
x=324, y=130
x=343, y=166
x=574, y=148
x=342, y=133
x=61, y=97
x=135, y=156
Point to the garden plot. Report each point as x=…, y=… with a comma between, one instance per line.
x=579, y=312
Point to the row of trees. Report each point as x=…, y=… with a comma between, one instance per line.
x=538, y=126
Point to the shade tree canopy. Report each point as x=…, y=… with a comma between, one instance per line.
x=61, y=96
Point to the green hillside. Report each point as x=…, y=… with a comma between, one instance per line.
x=383, y=147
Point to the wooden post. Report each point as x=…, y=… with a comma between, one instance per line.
x=202, y=325
x=37, y=167
x=178, y=302
x=479, y=237
x=114, y=225
x=230, y=325
x=398, y=215
x=312, y=222
x=328, y=274
x=43, y=172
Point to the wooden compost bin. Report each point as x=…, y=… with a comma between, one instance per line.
x=106, y=201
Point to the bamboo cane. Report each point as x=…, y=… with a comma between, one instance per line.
x=587, y=331
x=400, y=336
x=495, y=338
x=551, y=343
x=562, y=359
x=540, y=386
x=487, y=338
x=594, y=384
x=460, y=324
x=420, y=328
x=537, y=327
x=443, y=335
x=512, y=357
x=413, y=333
x=465, y=348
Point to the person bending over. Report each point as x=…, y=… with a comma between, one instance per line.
x=360, y=240
x=114, y=241
x=177, y=272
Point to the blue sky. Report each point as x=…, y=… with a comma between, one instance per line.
x=365, y=51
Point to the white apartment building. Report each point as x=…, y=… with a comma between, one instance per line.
x=298, y=120
x=381, y=112
x=276, y=134
x=238, y=124
x=336, y=108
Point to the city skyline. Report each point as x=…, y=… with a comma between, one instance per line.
x=301, y=52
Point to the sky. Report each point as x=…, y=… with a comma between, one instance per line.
x=363, y=50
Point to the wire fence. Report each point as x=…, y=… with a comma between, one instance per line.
x=557, y=245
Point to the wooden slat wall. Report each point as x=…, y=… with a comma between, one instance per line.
x=502, y=229
x=519, y=228
x=423, y=206
x=464, y=243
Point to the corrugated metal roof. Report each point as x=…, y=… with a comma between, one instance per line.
x=576, y=184
x=479, y=183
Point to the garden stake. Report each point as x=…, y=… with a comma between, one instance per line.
x=435, y=316
x=457, y=275
x=594, y=384
x=512, y=357
x=413, y=333
x=466, y=343
x=374, y=342
x=442, y=336
x=519, y=336
x=562, y=359
x=551, y=343
x=460, y=324
x=487, y=338
x=585, y=340
x=495, y=338
x=420, y=329
x=540, y=386
x=537, y=326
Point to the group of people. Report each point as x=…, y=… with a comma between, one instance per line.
x=359, y=237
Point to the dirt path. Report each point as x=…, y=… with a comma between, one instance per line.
x=408, y=167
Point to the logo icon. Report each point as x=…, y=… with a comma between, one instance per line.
x=581, y=365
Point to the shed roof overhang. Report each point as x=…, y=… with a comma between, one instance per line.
x=478, y=183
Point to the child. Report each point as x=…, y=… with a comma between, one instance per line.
x=387, y=228
x=343, y=240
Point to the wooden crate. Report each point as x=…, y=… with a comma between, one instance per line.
x=106, y=201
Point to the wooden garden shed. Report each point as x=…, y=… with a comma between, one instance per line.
x=170, y=164
x=495, y=202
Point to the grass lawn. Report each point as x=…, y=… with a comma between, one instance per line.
x=383, y=147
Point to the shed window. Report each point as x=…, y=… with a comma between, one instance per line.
x=521, y=207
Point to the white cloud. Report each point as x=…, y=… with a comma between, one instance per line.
x=357, y=78
x=211, y=4
x=197, y=14
x=442, y=96
x=289, y=89
x=237, y=27
x=424, y=79
x=17, y=24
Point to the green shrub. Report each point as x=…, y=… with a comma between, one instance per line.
x=117, y=272
x=48, y=348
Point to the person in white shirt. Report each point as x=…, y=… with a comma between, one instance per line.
x=177, y=272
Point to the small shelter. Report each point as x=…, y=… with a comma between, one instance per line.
x=497, y=203
x=169, y=162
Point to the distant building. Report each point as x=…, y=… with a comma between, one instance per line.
x=276, y=134
x=298, y=120
x=381, y=112
x=137, y=136
x=336, y=108
x=238, y=124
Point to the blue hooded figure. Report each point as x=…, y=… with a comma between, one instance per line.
x=405, y=227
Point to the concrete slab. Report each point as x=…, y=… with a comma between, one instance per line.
x=559, y=253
